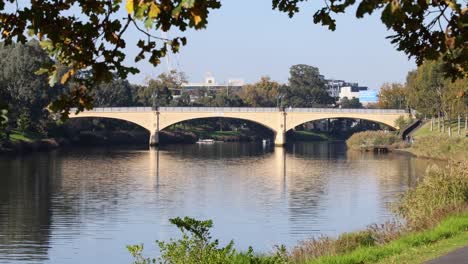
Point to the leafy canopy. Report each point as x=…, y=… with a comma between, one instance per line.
x=422, y=29
x=90, y=34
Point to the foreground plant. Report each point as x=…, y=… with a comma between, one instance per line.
x=196, y=246
x=441, y=192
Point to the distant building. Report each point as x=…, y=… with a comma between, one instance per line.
x=210, y=86
x=368, y=97
x=351, y=92
x=334, y=87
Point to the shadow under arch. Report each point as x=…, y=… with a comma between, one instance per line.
x=221, y=117
x=110, y=118
x=116, y=131
x=375, y=121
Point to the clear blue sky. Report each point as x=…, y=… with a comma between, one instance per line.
x=247, y=39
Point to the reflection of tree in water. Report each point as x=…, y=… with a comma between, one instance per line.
x=332, y=190
x=25, y=201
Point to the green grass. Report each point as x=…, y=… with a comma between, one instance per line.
x=425, y=130
x=440, y=147
x=16, y=136
x=309, y=135
x=223, y=133
x=454, y=227
x=428, y=252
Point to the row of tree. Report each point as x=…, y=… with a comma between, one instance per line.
x=306, y=88
x=26, y=95
x=430, y=93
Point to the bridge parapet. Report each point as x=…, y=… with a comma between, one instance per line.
x=116, y=109
x=345, y=110
x=220, y=109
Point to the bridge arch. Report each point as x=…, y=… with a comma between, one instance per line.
x=177, y=121
x=111, y=118
x=388, y=120
x=142, y=119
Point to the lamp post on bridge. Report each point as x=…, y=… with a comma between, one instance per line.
x=154, y=98
x=279, y=101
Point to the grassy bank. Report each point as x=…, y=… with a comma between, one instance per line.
x=27, y=142
x=438, y=145
x=304, y=135
x=435, y=221
x=453, y=228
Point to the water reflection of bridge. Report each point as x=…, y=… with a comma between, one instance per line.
x=279, y=121
x=46, y=199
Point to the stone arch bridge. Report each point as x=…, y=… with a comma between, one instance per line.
x=278, y=120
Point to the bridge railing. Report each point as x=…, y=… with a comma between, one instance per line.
x=116, y=109
x=245, y=110
x=347, y=110
x=218, y=109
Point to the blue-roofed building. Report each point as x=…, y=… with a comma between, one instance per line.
x=368, y=97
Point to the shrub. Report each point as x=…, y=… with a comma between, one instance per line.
x=442, y=191
x=403, y=122
x=350, y=241
x=197, y=247
x=313, y=248
x=369, y=139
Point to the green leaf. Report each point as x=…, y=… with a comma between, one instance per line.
x=148, y=23
x=188, y=3
x=53, y=78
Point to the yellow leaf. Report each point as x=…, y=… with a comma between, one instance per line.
x=154, y=10
x=67, y=76
x=129, y=6
x=196, y=18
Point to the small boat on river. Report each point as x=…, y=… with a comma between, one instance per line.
x=205, y=141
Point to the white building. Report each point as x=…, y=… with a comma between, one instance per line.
x=351, y=92
x=210, y=86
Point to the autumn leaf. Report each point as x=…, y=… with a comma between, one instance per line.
x=196, y=18
x=154, y=10
x=67, y=76
x=129, y=6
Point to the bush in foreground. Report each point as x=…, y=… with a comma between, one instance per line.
x=442, y=191
x=197, y=247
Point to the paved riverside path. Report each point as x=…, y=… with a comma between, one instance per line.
x=459, y=256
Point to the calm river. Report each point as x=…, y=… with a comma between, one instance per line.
x=86, y=205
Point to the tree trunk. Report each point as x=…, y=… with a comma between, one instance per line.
x=432, y=124
x=438, y=123
x=466, y=123
x=443, y=124
x=459, y=125
x=449, y=128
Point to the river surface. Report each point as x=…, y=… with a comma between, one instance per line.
x=86, y=205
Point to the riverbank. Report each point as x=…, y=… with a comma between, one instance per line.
x=20, y=143
x=424, y=143
x=375, y=141
x=438, y=145
x=434, y=215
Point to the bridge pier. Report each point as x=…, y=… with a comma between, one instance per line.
x=280, y=139
x=154, y=139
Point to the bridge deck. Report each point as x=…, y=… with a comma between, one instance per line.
x=246, y=109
